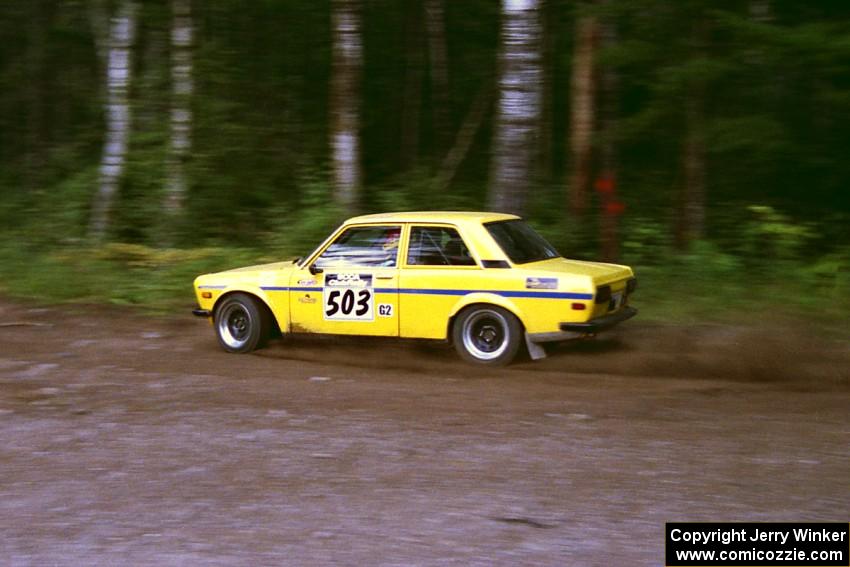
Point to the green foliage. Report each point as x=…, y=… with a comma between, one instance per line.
x=45, y=220
x=128, y=274
x=646, y=242
x=418, y=190
x=138, y=205
x=296, y=231
x=772, y=97
x=771, y=235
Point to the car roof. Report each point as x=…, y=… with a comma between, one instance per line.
x=433, y=217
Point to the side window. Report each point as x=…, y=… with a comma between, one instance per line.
x=437, y=246
x=366, y=246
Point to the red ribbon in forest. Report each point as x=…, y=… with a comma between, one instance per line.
x=606, y=187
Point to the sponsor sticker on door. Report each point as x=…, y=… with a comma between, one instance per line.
x=348, y=297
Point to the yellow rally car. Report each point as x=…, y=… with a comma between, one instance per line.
x=487, y=282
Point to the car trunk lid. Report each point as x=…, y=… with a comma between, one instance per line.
x=599, y=272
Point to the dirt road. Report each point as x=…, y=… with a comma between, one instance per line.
x=134, y=440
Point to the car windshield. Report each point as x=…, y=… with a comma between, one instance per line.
x=520, y=242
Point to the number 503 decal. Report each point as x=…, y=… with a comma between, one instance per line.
x=349, y=304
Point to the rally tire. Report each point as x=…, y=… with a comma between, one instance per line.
x=242, y=323
x=487, y=334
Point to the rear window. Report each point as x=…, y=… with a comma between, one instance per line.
x=437, y=246
x=520, y=242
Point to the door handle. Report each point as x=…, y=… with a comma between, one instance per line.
x=384, y=277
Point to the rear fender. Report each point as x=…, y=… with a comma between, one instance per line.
x=486, y=299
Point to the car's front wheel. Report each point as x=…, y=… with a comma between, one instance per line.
x=241, y=323
x=486, y=334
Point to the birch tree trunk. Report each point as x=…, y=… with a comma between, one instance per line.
x=121, y=39
x=517, y=119
x=182, y=32
x=582, y=115
x=345, y=102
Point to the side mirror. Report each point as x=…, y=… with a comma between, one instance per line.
x=315, y=270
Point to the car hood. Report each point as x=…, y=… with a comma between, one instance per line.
x=262, y=267
x=599, y=272
x=253, y=275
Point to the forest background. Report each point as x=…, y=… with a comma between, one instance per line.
x=703, y=142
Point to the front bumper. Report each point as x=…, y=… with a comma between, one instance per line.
x=201, y=313
x=600, y=323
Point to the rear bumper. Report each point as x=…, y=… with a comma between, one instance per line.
x=600, y=323
x=201, y=313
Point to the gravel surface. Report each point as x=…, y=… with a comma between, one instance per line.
x=135, y=440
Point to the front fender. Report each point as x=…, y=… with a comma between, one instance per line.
x=278, y=309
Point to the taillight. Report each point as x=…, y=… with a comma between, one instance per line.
x=603, y=294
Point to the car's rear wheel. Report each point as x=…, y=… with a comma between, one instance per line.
x=242, y=324
x=486, y=334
